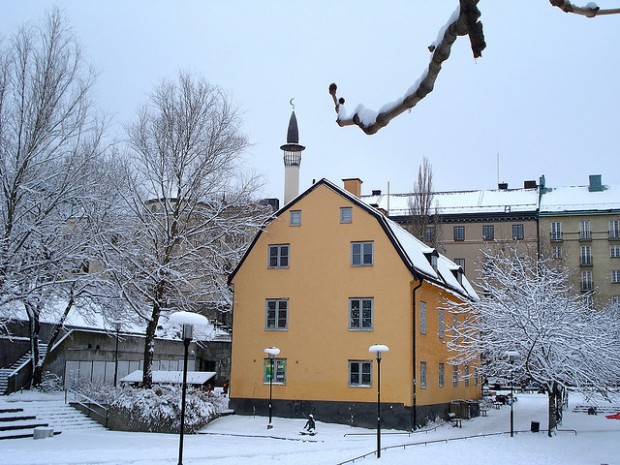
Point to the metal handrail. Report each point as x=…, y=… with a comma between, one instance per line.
x=87, y=406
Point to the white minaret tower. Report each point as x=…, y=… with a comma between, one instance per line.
x=292, y=160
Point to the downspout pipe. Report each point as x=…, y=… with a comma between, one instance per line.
x=414, y=419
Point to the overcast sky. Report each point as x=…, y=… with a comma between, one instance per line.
x=545, y=95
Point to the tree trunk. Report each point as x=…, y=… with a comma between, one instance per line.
x=34, y=324
x=149, y=342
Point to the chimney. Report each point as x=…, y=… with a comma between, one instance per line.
x=529, y=185
x=596, y=183
x=502, y=186
x=354, y=186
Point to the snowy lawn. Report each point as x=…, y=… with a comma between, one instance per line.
x=242, y=440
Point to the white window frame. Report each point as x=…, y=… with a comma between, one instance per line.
x=614, y=229
x=277, y=309
x=455, y=375
x=488, y=232
x=518, y=232
x=615, y=276
x=423, y=314
x=460, y=262
x=281, y=260
x=557, y=252
x=586, y=281
x=363, y=373
x=346, y=215
x=441, y=375
x=556, y=231
x=360, y=257
x=585, y=255
x=585, y=232
x=460, y=237
x=357, y=323
x=295, y=218
x=441, y=330
x=423, y=375
x=614, y=251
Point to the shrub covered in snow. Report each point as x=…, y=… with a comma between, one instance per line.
x=159, y=408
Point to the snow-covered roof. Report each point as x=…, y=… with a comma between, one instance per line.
x=579, y=198
x=463, y=202
x=171, y=377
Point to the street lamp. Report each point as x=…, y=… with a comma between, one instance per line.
x=512, y=355
x=378, y=349
x=117, y=326
x=188, y=320
x=271, y=353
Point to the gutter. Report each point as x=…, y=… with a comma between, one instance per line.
x=413, y=350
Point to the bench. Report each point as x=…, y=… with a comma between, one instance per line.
x=483, y=411
x=594, y=409
x=456, y=421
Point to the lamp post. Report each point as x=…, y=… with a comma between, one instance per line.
x=378, y=349
x=188, y=320
x=117, y=326
x=271, y=352
x=512, y=355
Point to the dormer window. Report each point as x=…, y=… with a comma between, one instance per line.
x=432, y=258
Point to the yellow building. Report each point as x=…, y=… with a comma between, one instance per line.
x=326, y=279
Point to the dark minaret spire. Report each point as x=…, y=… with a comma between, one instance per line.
x=292, y=159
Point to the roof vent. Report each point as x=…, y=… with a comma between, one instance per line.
x=529, y=185
x=596, y=183
x=376, y=192
x=502, y=186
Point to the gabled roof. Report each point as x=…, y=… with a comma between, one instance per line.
x=413, y=252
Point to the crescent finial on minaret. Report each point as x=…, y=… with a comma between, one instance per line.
x=291, y=103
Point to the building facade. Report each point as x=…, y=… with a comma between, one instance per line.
x=326, y=279
x=576, y=226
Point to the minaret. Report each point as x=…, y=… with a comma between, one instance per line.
x=292, y=159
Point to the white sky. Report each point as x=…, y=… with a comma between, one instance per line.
x=544, y=95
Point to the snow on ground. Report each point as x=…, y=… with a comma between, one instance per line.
x=242, y=440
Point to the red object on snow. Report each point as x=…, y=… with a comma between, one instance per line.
x=615, y=416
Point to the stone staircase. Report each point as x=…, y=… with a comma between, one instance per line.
x=5, y=373
x=19, y=419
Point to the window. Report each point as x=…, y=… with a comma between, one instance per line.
x=441, y=323
x=584, y=231
x=276, y=314
x=422, y=317
x=556, y=252
x=279, y=371
x=362, y=253
x=586, y=281
x=466, y=375
x=556, y=231
x=615, y=276
x=455, y=326
x=488, y=232
x=295, y=219
x=278, y=256
x=614, y=251
x=460, y=262
x=423, y=375
x=360, y=313
x=459, y=233
x=429, y=234
x=455, y=375
x=517, y=232
x=346, y=214
x=441, y=374
x=359, y=372
x=585, y=255
x=614, y=229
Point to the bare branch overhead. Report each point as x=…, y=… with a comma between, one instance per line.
x=590, y=10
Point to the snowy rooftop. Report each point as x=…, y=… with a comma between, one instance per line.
x=171, y=377
x=463, y=202
x=559, y=199
x=579, y=198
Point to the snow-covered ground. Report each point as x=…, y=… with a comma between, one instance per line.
x=242, y=440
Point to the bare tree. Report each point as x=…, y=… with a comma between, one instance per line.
x=186, y=214
x=424, y=216
x=464, y=21
x=49, y=137
x=529, y=309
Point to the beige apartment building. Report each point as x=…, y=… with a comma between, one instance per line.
x=579, y=226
